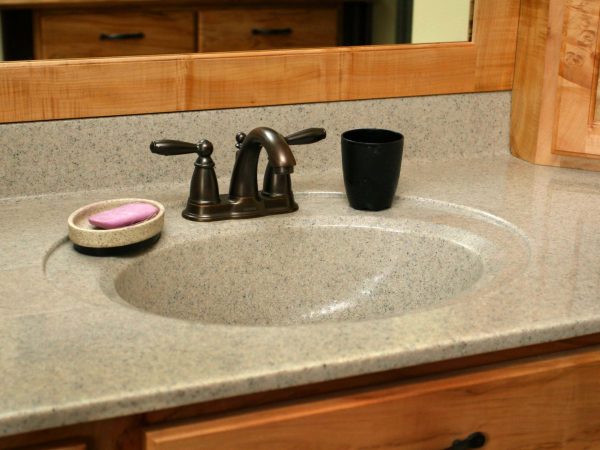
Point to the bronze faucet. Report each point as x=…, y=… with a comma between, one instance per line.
x=244, y=199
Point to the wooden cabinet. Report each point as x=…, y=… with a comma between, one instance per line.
x=552, y=404
x=553, y=119
x=266, y=28
x=125, y=32
x=577, y=128
x=116, y=33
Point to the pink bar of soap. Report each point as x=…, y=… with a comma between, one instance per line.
x=124, y=215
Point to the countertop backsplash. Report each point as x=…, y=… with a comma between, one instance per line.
x=111, y=152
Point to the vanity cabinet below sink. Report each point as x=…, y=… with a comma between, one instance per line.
x=550, y=401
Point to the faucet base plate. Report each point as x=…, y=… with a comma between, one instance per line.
x=240, y=208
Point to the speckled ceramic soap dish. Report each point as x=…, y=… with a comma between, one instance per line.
x=90, y=240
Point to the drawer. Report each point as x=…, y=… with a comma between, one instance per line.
x=551, y=403
x=116, y=33
x=266, y=28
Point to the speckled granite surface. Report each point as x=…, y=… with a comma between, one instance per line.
x=70, y=355
x=71, y=155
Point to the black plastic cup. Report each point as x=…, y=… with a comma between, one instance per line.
x=371, y=160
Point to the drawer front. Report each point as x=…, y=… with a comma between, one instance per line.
x=262, y=29
x=549, y=404
x=120, y=33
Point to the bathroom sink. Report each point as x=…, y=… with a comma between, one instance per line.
x=299, y=275
x=334, y=264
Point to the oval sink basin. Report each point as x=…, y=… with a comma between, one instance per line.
x=325, y=263
x=300, y=275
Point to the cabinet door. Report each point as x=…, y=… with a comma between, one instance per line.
x=578, y=112
x=554, y=119
x=552, y=403
x=114, y=33
x=234, y=29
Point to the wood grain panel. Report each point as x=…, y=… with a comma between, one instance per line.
x=576, y=133
x=155, y=84
x=231, y=29
x=77, y=35
x=276, y=78
x=97, y=87
x=533, y=79
x=415, y=70
x=495, y=57
x=551, y=403
x=539, y=87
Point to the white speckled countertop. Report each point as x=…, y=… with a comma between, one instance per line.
x=68, y=358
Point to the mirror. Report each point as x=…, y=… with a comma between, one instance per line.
x=96, y=87
x=57, y=32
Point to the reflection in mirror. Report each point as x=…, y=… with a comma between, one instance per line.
x=421, y=21
x=75, y=30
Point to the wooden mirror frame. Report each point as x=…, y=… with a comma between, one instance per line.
x=64, y=89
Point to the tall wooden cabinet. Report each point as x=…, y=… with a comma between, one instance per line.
x=553, y=118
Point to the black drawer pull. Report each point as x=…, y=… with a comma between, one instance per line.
x=121, y=36
x=271, y=31
x=475, y=440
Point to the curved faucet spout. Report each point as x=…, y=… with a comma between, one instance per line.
x=244, y=179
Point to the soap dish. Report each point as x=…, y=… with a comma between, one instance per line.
x=91, y=240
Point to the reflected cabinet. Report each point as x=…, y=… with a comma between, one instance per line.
x=554, y=117
x=79, y=32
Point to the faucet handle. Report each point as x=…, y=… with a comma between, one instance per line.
x=204, y=189
x=308, y=136
x=170, y=147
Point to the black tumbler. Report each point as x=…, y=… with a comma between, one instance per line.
x=371, y=160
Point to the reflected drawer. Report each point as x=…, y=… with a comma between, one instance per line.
x=116, y=33
x=266, y=28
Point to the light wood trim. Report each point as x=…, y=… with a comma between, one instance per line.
x=407, y=70
x=45, y=90
x=535, y=99
x=550, y=403
x=495, y=57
